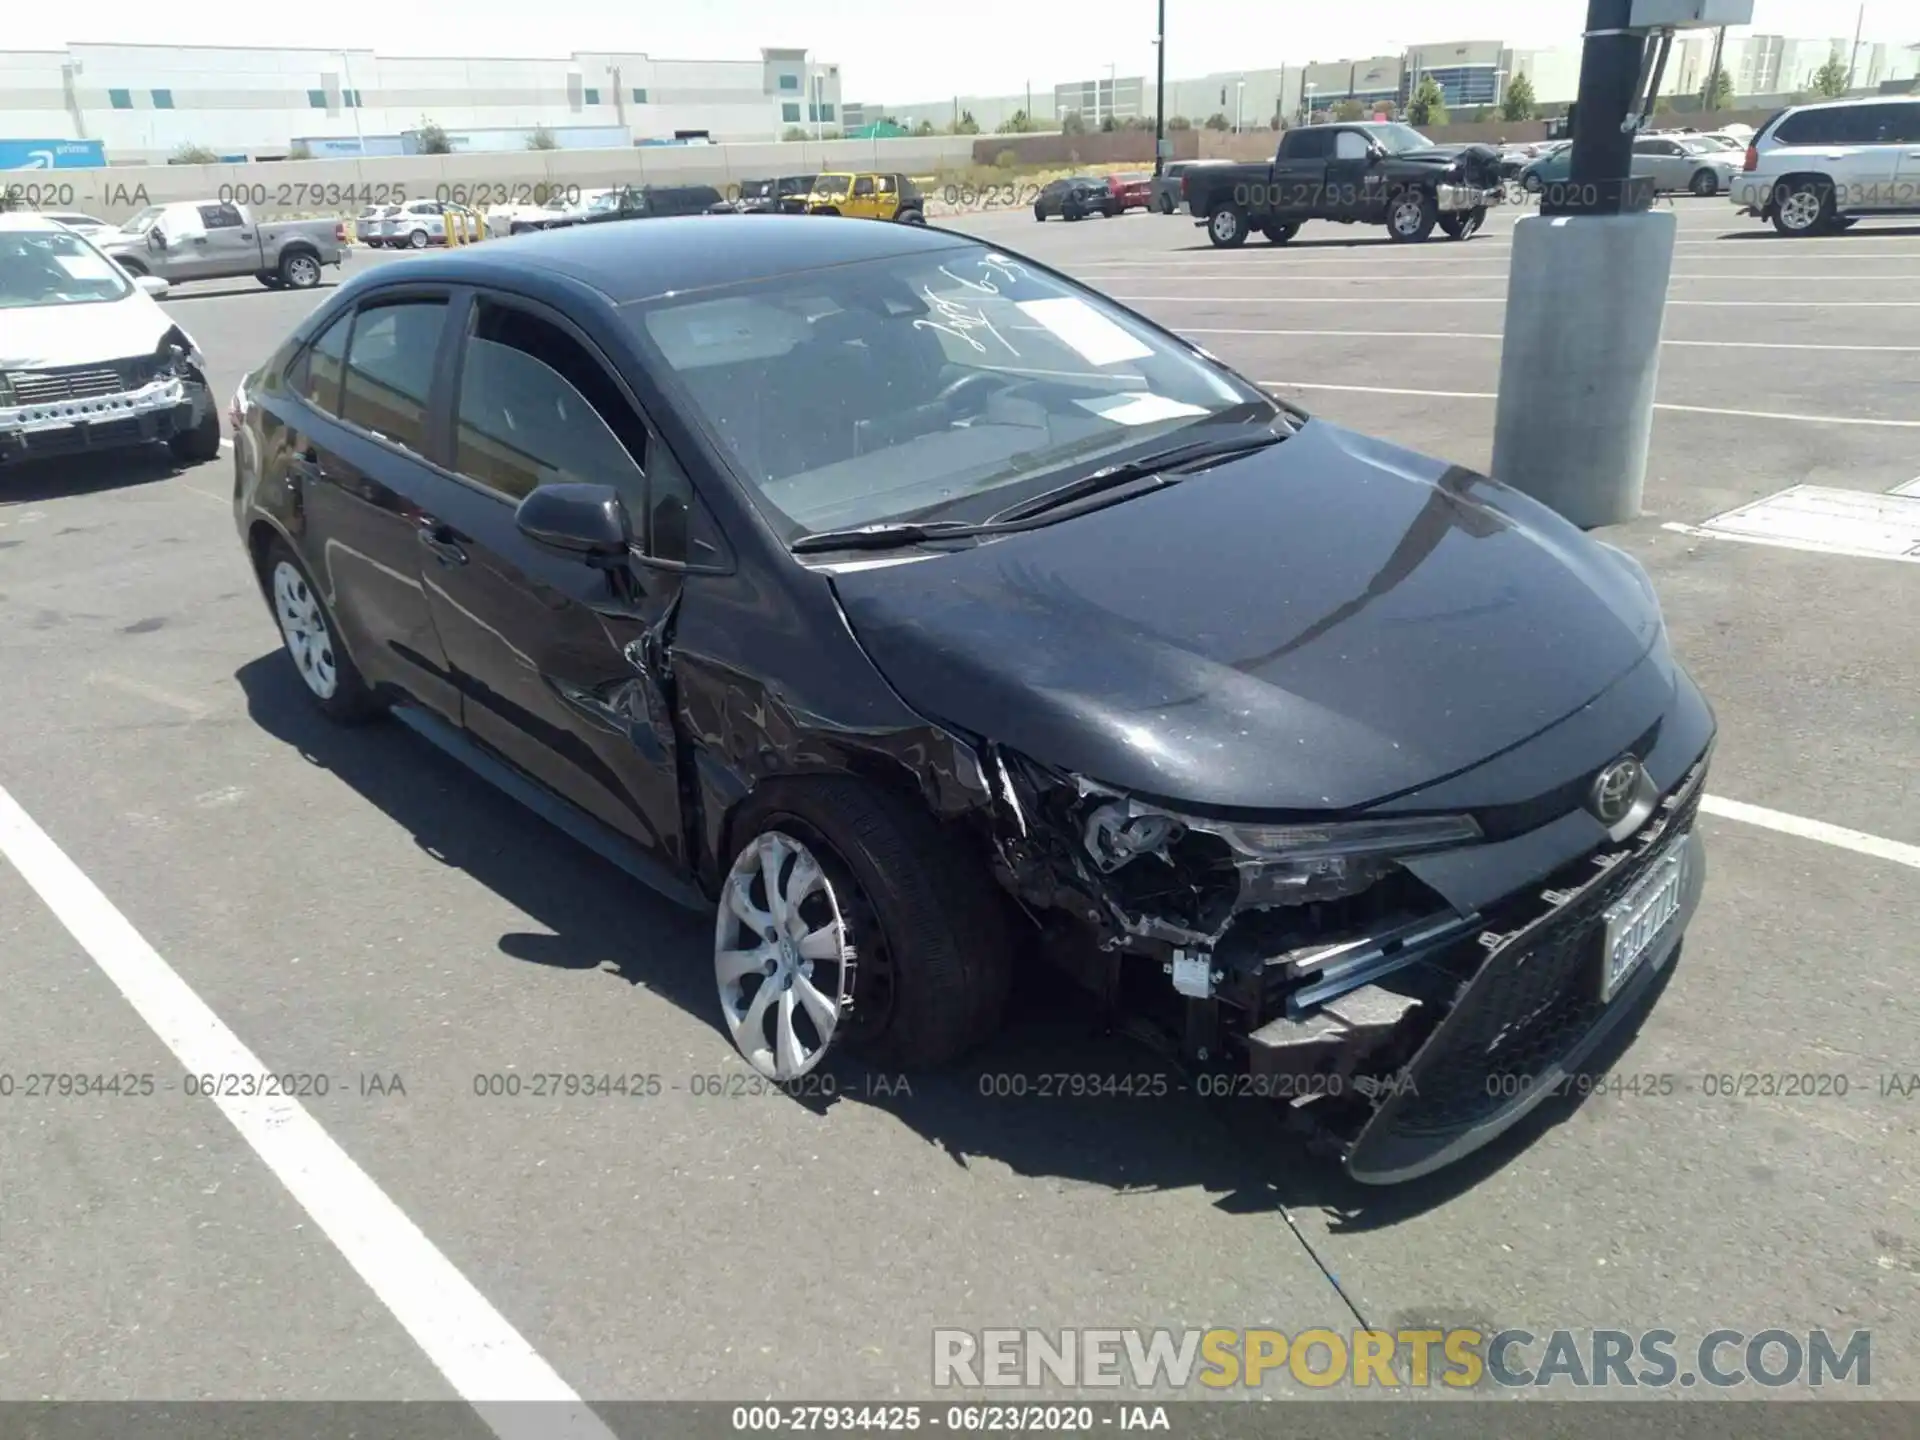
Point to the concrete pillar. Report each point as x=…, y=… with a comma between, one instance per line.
x=1581, y=359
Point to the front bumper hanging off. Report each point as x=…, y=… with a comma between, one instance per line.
x=151, y=412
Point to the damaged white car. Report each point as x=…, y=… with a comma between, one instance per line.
x=88, y=361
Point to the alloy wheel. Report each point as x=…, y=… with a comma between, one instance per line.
x=1801, y=210
x=303, y=624
x=303, y=272
x=1406, y=217
x=781, y=957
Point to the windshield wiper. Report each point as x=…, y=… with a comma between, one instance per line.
x=1159, y=463
x=885, y=536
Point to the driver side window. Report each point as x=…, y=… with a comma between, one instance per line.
x=1348, y=145
x=535, y=408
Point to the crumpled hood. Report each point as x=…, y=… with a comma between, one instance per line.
x=1319, y=626
x=1480, y=163
x=43, y=337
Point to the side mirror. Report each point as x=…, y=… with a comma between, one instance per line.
x=587, y=521
x=152, y=285
x=156, y=239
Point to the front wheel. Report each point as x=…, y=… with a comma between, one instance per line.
x=200, y=444
x=1280, y=233
x=1532, y=184
x=1461, y=224
x=849, y=917
x=332, y=679
x=1705, y=182
x=1227, y=227
x=911, y=217
x=1411, y=216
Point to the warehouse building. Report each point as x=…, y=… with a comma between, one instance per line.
x=146, y=102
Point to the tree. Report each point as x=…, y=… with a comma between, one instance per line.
x=1428, y=106
x=433, y=140
x=1179, y=122
x=1019, y=123
x=923, y=129
x=965, y=125
x=191, y=154
x=1349, y=110
x=794, y=132
x=1217, y=121
x=1073, y=123
x=1830, y=80
x=1718, y=92
x=542, y=139
x=1517, y=103
x=1108, y=124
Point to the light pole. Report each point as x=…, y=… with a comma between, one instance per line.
x=1306, y=102
x=1160, y=95
x=1239, y=104
x=1853, y=58
x=346, y=75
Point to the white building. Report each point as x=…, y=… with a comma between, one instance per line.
x=147, y=101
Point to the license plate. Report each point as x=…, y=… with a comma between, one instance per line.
x=1635, y=921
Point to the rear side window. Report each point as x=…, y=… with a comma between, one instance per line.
x=1308, y=144
x=390, y=370
x=316, y=373
x=1843, y=125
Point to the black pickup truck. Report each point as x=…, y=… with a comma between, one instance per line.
x=1357, y=174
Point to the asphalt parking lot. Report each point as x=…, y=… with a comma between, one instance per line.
x=351, y=905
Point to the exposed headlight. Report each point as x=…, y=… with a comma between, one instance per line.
x=6, y=389
x=1297, y=864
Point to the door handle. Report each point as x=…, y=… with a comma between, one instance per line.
x=439, y=541
x=246, y=234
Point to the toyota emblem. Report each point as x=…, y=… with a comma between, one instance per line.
x=1613, y=790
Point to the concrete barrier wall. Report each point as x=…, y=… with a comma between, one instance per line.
x=344, y=187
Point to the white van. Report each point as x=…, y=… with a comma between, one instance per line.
x=87, y=360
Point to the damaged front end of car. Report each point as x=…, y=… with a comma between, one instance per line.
x=1389, y=1027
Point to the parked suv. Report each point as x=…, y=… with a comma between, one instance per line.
x=1815, y=168
x=868, y=197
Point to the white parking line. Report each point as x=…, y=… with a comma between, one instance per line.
x=1857, y=841
x=1484, y=335
x=1489, y=277
x=483, y=1357
x=1678, y=409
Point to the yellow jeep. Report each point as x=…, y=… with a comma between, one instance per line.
x=868, y=197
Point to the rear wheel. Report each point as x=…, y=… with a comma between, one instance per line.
x=1804, y=207
x=331, y=678
x=417, y=240
x=1039, y=214
x=300, y=270
x=1164, y=205
x=1227, y=226
x=848, y=917
x=1704, y=182
x=1411, y=216
x=1532, y=184
x=911, y=217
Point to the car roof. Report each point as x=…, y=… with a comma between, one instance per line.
x=1856, y=100
x=677, y=253
x=28, y=220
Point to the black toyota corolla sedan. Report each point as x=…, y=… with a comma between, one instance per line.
x=918, y=610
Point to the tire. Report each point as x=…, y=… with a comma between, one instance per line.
x=1070, y=214
x=1805, y=208
x=200, y=444
x=872, y=880
x=911, y=217
x=1411, y=216
x=1227, y=226
x=300, y=270
x=417, y=240
x=1463, y=225
x=1704, y=183
x=1280, y=233
x=1039, y=214
x=1532, y=184
x=327, y=672
x=1164, y=204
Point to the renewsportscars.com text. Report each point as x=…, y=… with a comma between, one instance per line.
x=1460, y=1359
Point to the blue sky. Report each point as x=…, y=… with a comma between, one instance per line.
x=961, y=46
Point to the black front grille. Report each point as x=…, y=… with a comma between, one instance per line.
x=80, y=382
x=1534, y=999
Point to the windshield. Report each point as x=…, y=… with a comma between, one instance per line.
x=1401, y=139
x=935, y=383
x=608, y=201
x=55, y=267
x=1702, y=147
x=145, y=220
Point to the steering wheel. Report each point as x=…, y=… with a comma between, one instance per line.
x=965, y=385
